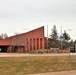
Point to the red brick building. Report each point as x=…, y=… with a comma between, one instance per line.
x=32, y=40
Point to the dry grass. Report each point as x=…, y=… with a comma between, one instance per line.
x=28, y=65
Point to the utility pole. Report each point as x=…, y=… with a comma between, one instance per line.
x=47, y=38
x=61, y=37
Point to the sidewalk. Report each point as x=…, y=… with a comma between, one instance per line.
x=27, y=54
x=57, y=73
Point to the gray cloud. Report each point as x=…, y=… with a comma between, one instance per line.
x=20, y=13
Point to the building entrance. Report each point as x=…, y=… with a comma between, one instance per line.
x=3, y=48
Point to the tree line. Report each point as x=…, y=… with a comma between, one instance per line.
x=55, y=40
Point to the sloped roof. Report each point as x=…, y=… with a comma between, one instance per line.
x=4, y=42
x=36, y=32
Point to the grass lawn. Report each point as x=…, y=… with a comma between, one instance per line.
x=30, y=65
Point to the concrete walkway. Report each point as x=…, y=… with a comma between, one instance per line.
x=57, y=73
x=24, y=54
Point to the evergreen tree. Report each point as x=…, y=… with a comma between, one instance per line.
x=75, y=42
x=54, y=34
x=66, y=36
x=53, y=42
x=71, y=42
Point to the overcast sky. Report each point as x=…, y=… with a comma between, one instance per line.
x=23, y=15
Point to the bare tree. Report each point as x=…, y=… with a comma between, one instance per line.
x=3, y=36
